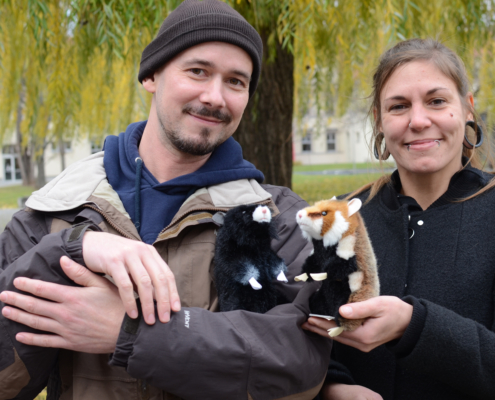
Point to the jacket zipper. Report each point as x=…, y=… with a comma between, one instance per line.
x=113, y=225
x=199, y=210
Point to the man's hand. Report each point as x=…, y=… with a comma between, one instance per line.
x=86, y=319
x=124, y=259
x=388, y=318
x=339, y=391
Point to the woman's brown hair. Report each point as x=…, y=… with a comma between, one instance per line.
x=452, y=67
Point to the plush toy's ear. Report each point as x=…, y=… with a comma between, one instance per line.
x=354, y=206
x=333, y=198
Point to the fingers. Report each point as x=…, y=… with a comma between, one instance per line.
x=319, y=326
x=363, y=309
x=130, y=263
x=28, y=318
x=33, y=339
x=81, y=275
x=167, y=296
x=126, y=290
x=45, y=290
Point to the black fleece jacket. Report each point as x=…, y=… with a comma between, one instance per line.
x=442, y=261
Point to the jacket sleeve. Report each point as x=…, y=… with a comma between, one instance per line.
x=228, y=355
x=460, y=341
x=290, y=245
x=28, y=249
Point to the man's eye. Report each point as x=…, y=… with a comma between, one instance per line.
x=236, y=82
x=196, y=71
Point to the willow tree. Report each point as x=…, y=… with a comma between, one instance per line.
x=85, y=56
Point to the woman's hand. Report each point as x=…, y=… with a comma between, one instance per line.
x=125, y=259
x=388, y=318
x=339, y=391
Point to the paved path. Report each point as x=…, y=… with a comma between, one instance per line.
x=5, y=216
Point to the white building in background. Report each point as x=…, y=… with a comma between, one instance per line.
x=74, y=150
x=332, y=140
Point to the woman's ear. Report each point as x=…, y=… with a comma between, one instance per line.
x=470, y=101
x=375, y=116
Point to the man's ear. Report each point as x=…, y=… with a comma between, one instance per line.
x=149, y=84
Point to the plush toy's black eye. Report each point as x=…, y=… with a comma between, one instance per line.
x=323, y=213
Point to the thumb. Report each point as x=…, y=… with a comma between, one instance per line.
x=362, y=309
x=80, y=274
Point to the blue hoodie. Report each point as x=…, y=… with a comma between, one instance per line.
x=161, y=201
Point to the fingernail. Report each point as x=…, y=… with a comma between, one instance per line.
x=177, y=305
x=346, y=310
x=134, y=314
x=6, y=311
x=166, y=316
x=151, y=319
x=3, y=296
x=20, y=337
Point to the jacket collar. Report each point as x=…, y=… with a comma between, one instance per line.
x=462, y=184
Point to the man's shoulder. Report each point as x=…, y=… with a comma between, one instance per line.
x=72, y=187
x=284, y=198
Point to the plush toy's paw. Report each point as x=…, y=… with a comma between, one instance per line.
x=301, y=278
x=332, y=332
x=281, y=277
x=255, y=284
x=319, y=277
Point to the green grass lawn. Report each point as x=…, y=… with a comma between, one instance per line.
x=10, y=194
x=323, y=167
x=313, y=188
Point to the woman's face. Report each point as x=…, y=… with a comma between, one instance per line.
x=423, y=119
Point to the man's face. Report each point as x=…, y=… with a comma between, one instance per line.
x=200, y=96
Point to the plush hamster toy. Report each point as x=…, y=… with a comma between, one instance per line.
x=245, y=264
x=343, y=259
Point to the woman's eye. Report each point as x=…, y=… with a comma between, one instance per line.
x=397, y=107
x=196, y=71
x=437, y=102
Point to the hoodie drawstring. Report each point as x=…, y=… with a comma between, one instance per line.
x=137, y=193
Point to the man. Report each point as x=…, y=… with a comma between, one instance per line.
x=145, y=212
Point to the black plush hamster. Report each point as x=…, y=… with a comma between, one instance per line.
x=245, y=264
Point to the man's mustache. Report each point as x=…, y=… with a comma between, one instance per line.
x=205, y=112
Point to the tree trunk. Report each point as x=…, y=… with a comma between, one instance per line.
x=265, y=132
x=23, y=152
x=61, y=149
x=40, y=164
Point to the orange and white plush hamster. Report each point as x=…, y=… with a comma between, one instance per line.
x=343, y=259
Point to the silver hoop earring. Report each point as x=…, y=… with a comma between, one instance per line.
x=479, y=136
x=385, y=154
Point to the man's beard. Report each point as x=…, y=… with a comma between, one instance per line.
x=194, y=147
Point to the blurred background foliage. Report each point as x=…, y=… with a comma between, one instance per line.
x=69, y=67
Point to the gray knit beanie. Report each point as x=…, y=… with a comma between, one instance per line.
x=195, y=22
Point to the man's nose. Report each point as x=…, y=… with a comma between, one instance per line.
x=213, y=94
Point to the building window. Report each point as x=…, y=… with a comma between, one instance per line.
x=306, y=142
x=331, y=139
x=95, y=146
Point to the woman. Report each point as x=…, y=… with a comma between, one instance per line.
x=430, y=335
